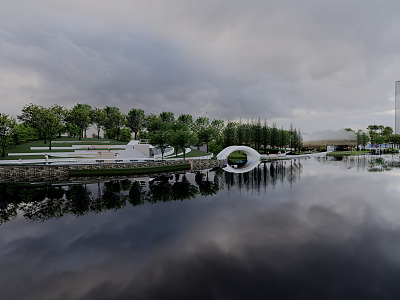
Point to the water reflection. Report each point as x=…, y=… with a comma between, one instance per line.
x=311, y=230
x=47, y=201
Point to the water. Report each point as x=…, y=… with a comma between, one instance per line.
x=314, y=229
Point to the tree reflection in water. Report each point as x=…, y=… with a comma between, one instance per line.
x=265, y=175
x=44, y=202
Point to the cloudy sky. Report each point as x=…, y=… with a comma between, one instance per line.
x=319, y=64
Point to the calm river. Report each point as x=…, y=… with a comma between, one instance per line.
x=310, y=229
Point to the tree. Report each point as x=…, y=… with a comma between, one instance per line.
x=204, y=131
x=240, y=132
x=98, y=119
x=387, y=131
x=291, y=136
x=283, y=138
x=167, y=117
x=80, y=115
x=61, y=113
x=185, y=119
x=31, y=116
x=159, y=134
x=265, y=135
x=247, y=134
x=52, y=122
x=359, y=138
x=24, y=133
x=125, y=135
x=183, y=138
x=257, y=132
x=380, y=140
x=7, y=127
x=395, y=139
x=362, y=139
x=229, y=134
x=135, y=120
x=149, y=119
x=372, y=132
x=114, y=121
x=172, y=128
x=274, y=136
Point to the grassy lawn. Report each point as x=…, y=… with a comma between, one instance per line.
x=129, y=171
x=237, y=155
x=193, y=153
x=346, y=153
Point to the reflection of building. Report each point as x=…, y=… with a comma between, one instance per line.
x=397, y=108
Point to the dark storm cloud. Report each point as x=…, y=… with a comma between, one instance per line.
x=228, y=59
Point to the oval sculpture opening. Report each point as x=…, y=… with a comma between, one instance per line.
x=253, y=158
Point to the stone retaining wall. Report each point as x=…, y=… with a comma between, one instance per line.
x=53, y=173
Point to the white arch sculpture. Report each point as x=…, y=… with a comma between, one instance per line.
x=250, y=152
x=253, y=158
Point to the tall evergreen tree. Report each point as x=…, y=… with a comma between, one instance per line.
x=274, y=136
x=265, y=135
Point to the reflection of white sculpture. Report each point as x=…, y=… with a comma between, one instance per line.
x=250, y=152
x=250, y=165
x=253, y=158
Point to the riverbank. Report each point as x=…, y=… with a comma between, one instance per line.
x=54, y=173
x=346, y=153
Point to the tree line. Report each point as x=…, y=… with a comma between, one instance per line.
x=164, y=130
x=377, y=134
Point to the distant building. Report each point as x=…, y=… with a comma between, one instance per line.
x=340, y=140
x=397, y=108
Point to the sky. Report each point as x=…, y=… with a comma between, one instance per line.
x=321, y=65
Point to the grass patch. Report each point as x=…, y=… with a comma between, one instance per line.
x=23, y=157
x=43, y=151
x=29, y=157
x=129, y=171
x=193, y=153
x=346, y=153
x=237, y=155
x=92, y=141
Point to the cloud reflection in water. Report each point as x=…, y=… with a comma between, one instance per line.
x=331, y=235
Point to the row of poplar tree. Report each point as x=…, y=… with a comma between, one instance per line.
x=163, y=130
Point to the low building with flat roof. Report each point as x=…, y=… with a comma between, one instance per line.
x=338, y=139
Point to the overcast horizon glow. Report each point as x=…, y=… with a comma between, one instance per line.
x=319, y=65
